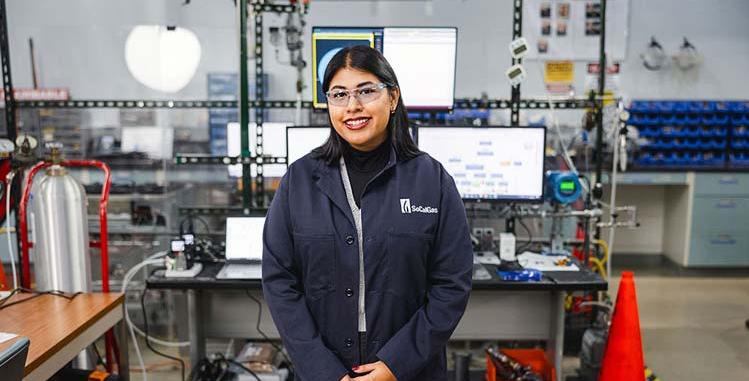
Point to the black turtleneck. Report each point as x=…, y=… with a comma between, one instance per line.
x=363, y=166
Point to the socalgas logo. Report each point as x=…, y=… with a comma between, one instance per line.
x=406, y=208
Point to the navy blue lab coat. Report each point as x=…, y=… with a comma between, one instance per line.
x=417, y=260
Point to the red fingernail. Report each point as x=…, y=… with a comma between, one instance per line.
x=355, y=368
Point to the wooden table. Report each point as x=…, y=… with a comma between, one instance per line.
x=59, y=329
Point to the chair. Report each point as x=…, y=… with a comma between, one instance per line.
x=13, y=359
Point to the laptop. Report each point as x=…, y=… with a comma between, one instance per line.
x=244, y=248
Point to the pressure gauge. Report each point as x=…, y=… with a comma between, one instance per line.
x=23, y=139
x=6, y=147
x=515, y=74
x=518, y=48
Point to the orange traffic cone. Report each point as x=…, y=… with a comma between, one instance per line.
x=623, y=360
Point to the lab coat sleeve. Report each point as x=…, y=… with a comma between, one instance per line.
x=450, y=268
x=283, y=291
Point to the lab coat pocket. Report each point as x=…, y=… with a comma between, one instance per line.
x=407, y=262
x=317, y=254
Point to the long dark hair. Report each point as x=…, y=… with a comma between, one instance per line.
x=364, y=58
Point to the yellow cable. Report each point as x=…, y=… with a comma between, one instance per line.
x=599, y=266
x=605, y=247
x=5, y=230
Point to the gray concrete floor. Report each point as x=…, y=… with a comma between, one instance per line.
x=692, y=326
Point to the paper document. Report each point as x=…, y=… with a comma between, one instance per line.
x=546, y=262
x=4, y=336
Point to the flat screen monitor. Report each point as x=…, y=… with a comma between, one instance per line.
x=301, y=140
x=490, y=163
x=274, y=145
x=423, y=58
x=244, y=238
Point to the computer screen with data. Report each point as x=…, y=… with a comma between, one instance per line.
x=490, y=163
x=423, y=59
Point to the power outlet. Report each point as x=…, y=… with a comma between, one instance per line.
x=478, y=232
x=489, y=231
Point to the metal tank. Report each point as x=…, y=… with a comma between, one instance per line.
x=60, y=235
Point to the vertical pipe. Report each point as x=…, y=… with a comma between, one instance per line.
x=517, y=31
x=243, y=104
x=599, y=105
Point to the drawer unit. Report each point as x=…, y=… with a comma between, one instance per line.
x=720, y=212
x=720, y=247
x=721, y=184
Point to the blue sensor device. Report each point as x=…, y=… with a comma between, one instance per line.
x=563, y=187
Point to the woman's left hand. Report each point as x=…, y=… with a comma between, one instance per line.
x=378, y=371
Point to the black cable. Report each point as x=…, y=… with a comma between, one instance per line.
x=530, y=237
x=222, y=358
x=148, y=342
x=189, y=219
x=35, y=294
x=257, y=327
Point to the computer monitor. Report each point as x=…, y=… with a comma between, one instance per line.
x=490, y=163
x=301, y=140
x=274, y=144
x=13, y=360
x=423, y=58
x=244, y=238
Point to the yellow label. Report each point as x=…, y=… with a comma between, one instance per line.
x=559, y=72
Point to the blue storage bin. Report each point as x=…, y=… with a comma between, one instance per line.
x=665, y=143
x=705, y=144
x=653, y=120
x=646, y=159
x=695, y=107
x=722, y=107
x=679, y=119
x=681, y=107
x=670, y=158
x=679, y=144
x=705, y=132
x=693, y=119
x=639, y=107
x=636, y=119
x=680, y=132
x=652, y=132
x=721, y=119
x=668, y=119
x=708, y=119
x=741, y=131
x=668, y=132
x=720, y=132
x=692, y=143
x=709, y=106
x=691, y=132
x=718, y=144
x=683, y=159
x=737, y=119
x=664, y=106
x=740, y=144
x=737, y=107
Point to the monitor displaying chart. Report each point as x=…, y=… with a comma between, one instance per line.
x=425, y=87
x=490, y=163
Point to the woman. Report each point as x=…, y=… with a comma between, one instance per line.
x=367, y=259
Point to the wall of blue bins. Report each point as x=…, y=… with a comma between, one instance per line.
x=692, y=134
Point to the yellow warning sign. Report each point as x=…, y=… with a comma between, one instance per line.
x=559, y=72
